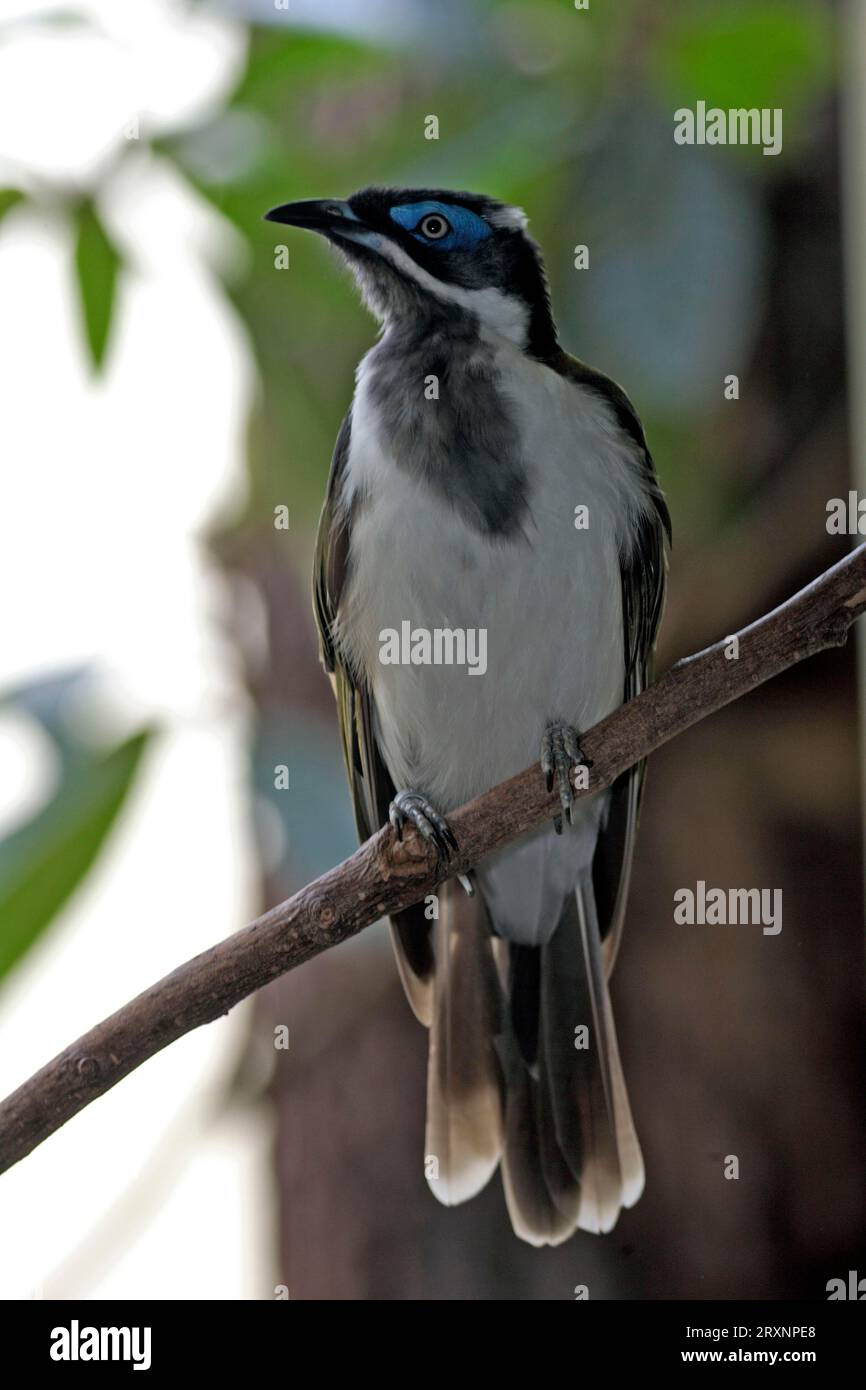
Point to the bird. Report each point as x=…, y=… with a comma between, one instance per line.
x=484, y=481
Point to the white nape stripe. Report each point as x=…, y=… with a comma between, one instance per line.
x=510, y=217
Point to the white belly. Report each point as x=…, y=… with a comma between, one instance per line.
x=550, y=601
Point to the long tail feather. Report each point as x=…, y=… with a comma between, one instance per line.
x=541, y=1195
x=617, y=1108
x=537, y=1082
x=572, y=1158
x=464, y=1082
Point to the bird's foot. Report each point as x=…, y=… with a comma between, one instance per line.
x=561, y=753
x=409, y=806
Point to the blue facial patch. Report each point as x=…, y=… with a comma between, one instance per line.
x=467, y=229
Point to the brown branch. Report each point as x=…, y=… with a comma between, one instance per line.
x=384, y=876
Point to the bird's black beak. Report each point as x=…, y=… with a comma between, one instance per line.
x=327, y=216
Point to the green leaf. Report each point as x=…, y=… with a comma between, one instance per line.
x=742, y=53
x=9, y=198
x=279, y=58
x=97, y=262
x=60, y=844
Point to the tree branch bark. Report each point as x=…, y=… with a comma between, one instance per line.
x=384, y=875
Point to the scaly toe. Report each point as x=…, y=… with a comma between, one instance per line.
x=412, y=806
x=560, y=754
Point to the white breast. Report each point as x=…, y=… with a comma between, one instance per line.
x=550, y=601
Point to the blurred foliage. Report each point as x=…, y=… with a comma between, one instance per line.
x=9, y=198
x=44, y=861
x=569, y=113
x=543, y=106
x=735, y=54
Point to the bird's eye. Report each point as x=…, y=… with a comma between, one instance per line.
x=434, y=227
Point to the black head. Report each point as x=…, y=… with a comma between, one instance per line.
x=422, y=251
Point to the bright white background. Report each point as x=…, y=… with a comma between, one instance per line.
x=108, y=486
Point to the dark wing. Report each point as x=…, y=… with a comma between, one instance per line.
x=642, y=575
x=371, y=786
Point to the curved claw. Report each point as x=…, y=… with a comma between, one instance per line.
x=560, y=752
x=412, y=806
x=547, y=759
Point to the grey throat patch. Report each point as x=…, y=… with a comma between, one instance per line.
x=435, y=391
